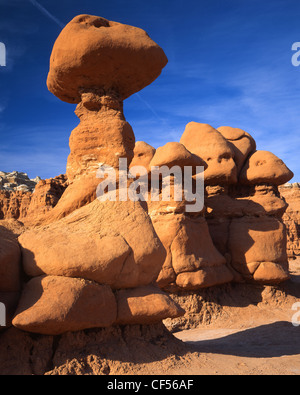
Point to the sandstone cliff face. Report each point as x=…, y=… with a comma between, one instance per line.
x=19, y=201
x=10, y=268
x=15, y=194
x=14, y=204
x=291, y=218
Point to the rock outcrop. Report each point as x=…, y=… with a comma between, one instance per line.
x=112, y=62
x=17, y=181
x=21, y=201
x=239, y=235
x=291, y=218
x=10, y=268
x=94, y=263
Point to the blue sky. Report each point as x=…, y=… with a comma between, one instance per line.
x=229, y=65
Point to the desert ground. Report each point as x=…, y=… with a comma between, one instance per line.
x=250, y=340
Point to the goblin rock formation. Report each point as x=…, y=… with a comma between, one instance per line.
x=239, y=235
x=112, y=62
x=291, y=218
x=95, y=263
x=80, y=263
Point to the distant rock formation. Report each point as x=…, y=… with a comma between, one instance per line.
x=17, y=181
x=291, y=218
x=22, y=198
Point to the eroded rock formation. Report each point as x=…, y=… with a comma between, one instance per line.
x=23, y=202
x=239, y=235
x=17, y=181
x=94, y=264
x=81, y=263
x=291, y=218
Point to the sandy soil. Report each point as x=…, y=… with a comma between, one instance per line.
x=254, y=340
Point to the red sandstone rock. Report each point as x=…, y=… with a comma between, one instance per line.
x=143, y=154
x=145, y=304
x=209, y=144
x=263, y=167
x=102, y=137
x=241, y=143
x=88, y=248
x=110, y=242
x=10, y=262
x=189, y=250
x=175, y=154
x=259, y=245
x=28, y=206
x=14, y=204
x=109, y=55
x=78, y=194
x=291, y=218
x=53, y=305
x=98, y=63
x=139, y=263
x=10, y=269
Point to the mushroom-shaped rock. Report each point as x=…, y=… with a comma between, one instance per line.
x=209, y=144
x=175, y=154
x=258, y=249
x=98, y=64
x=192, y=262
x=143, y=154
x=263, y=167
x=167, y=163
x=94, y=52
x=85, y=248
x=241, y=142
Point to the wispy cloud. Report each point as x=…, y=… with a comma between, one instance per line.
x=47, y=13
x=262, y=99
